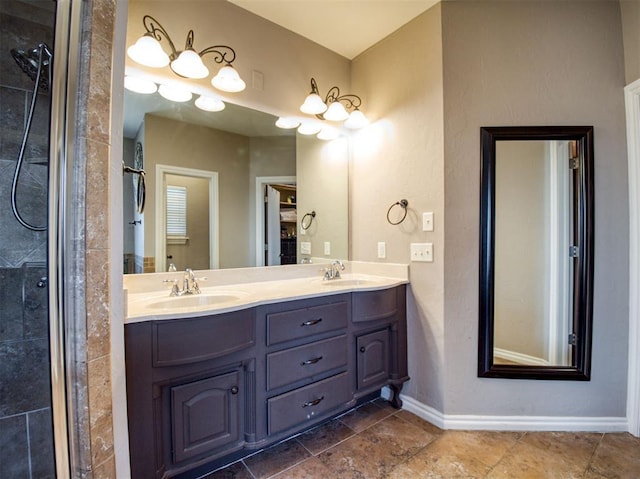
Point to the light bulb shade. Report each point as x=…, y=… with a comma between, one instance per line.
x=228, y=80
x=208, y=103
x=287, y=123
x=140, y=85
x=328, y=133
x=313, y=105
x=147, y=51
x=310, y=128
x=336, y=112
x=189, y=65
x=356, y=120
x=175, y=93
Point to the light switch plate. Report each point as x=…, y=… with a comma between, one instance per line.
x=422, y=252
x=382, y=249
x=305, y=247
x=327, y=248
x=427, y=221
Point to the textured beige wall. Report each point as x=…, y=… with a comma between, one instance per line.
x=401, y=156
x=534, y=63
x=630, y=13
x=171, y=142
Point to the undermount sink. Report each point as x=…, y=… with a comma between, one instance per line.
x=194, y=300
x=346, y=282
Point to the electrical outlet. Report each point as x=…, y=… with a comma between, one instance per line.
x=327, y=248
x=422, y=252
x=305, y=247
x=382, y=249
x=427, y=221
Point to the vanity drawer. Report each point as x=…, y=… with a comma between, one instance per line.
x=300, y=323
x=184, y=341
x=291, y=365
x=372, y=305
x=306, y=403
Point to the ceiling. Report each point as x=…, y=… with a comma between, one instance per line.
x=347, y=27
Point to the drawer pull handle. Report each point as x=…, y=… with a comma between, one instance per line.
x=234, y=390
x=311, y=322
x=311, y=361
x=315, y=402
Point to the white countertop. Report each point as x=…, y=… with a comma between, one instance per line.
x=147, y=297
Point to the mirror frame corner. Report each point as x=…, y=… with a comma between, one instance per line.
x=583, y=197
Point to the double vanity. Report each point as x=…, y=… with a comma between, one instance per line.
x=259, y=355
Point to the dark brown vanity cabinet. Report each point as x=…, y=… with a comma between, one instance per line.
x=205, y=391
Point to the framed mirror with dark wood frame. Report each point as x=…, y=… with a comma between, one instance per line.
x=536, y=252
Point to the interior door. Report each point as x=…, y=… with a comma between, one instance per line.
x=272, y=256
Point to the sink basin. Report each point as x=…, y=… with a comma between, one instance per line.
x=347, y=282
x=194, y=301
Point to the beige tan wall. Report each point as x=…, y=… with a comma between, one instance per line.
x=630, y=14
x=400, y=156
x=501, y=69
x=323, y=187
x=171, y=142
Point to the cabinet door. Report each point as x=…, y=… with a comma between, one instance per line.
x=373, y=358
x=205, y=415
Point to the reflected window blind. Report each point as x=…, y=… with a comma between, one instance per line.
x=177, y=212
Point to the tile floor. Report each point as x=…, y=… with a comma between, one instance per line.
x=376, y=441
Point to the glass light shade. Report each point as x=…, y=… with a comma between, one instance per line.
x=287, y=123
x=175, y=93
x=140, y=85
x=313, y=105
x=336, y=112
x=310, y=128
x=208, y=103
x=147, y=51
x=328, y=133
x=189, y=65
x=228, y=79
x=356, y=120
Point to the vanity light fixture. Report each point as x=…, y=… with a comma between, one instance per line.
x=310, y=127
x=209, y=103
x=334, y=107
x=287, y=122
x=186, y=63
x=174, y=92
x=140, y=85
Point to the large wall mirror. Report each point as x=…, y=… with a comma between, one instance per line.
x=213, y=170
x=536, y=252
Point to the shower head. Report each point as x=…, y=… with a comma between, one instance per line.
x=30, y=60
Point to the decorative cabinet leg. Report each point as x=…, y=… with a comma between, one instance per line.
x=395, y=400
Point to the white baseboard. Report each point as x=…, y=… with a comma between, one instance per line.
x=514, y=423
x=519, y=358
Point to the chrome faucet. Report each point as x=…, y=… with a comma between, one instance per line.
x=189, y=284
x=333, y=271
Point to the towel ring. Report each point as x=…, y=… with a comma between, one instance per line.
x=310, y=216
x=403, y=204
x=140, y=187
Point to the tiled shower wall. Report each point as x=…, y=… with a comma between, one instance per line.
x=25, y=413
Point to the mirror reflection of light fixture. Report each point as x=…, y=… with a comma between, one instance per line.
x=187, y=63
x=287, y=123
x=175, y=93
x=334, y=107
x=209, y=103
x=310, y=127
x=140, y=85
x=328, y=133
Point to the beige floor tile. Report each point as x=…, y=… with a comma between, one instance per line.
x=418, y=421
x=234, y=471
x=312, y=468
x=275, y=459
x=576, y=448
x=358, y=458
x=325, y=436
x=486, y=447
x=617, y=457
x=402, y=438
x=366, y=415
x=437, y=461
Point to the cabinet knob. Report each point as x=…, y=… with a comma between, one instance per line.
x=234, y=390
x=362, y=349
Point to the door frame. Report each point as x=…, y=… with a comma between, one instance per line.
x=632, y=105
x=261, y=182
x=160, y=244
